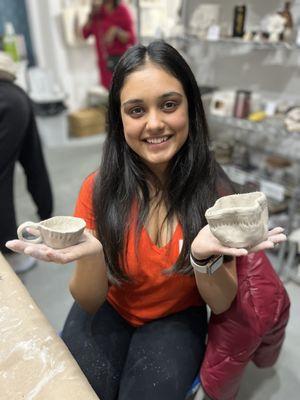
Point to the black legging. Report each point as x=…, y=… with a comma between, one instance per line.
x=157, y=361
x=20, y=141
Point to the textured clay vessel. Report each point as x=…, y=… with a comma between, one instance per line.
x=239, y=220
x=56, y=232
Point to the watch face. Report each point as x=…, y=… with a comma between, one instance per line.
x=215, y=265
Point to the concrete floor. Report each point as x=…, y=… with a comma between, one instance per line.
x=48, y=283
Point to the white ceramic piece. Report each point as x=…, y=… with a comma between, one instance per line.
x=239, y=220
x=57, y=232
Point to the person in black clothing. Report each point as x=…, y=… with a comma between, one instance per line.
x=19, y=141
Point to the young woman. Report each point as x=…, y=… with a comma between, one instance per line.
x=138, y=324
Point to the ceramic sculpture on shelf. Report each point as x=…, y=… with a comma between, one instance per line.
x=275, y=27
x=204, y=16
x=292, y=120
x=239, y=220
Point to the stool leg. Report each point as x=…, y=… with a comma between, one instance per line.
x=292, y=252
x=281, y=256
x=292, y=268
x=200, y=395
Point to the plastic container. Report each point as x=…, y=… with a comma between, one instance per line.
x=10, y=41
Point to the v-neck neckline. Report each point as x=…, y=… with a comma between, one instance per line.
x=167, y=245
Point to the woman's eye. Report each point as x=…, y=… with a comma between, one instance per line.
x=169, y=105
x=136, y=111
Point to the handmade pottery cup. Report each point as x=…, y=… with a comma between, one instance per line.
x=239, y=220
x=56, y=232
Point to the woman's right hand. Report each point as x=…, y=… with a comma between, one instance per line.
x=88, y=246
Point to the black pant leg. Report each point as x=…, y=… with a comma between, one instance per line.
x=19, y=140
x=164, y=357
x=32, y=160
x=8, y=223
x=99, y=344
x=14, y=117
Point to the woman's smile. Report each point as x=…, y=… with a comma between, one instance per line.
x=157, y=141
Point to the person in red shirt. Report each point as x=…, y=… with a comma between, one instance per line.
x=111, y=23
x=141, y=284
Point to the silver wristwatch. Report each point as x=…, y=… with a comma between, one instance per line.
x=209, y=267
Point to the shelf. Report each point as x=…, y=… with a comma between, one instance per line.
x=190, y=39
x=242, y=42
x=276, y=191
x=269, y=136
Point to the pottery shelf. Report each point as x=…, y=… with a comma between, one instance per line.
x=230, y=41
x=276, y=190
x=241, y=42
x=269, y=136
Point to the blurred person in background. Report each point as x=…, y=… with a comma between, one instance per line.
x=19, y=141
x=111, y=23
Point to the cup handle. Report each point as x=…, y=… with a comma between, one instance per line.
x=27, y=225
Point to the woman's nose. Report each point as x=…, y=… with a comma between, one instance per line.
x=154, y=121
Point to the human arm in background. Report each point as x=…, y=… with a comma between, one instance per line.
x=87, y=29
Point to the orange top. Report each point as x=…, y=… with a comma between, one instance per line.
x=151, y=294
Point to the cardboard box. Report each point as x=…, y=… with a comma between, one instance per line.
x=87, y=121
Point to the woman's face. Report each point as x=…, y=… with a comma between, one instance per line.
x=154, y=112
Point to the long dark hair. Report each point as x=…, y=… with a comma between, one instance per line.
x=123, y=177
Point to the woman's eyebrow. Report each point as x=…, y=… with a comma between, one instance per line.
x=168, y=94
x=132, y=101
x=163, y=96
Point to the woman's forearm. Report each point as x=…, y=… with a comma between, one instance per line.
x=219, y=289
x=89, y=284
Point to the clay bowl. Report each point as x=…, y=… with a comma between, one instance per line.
x=57, y=232
x=239, y=220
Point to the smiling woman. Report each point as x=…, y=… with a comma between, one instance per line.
x=149, y=264
x=155, y=117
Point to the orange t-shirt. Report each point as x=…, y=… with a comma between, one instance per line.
x=151, y=294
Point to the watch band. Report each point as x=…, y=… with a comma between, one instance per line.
x=210, y=267
x=203, y=261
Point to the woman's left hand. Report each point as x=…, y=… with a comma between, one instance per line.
x=206, y=244
x=110, y=35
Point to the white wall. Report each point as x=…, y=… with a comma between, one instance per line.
x=75, y=68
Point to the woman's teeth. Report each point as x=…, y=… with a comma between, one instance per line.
x=157, y=140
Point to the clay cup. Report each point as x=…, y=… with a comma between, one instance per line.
x=57, y=232
x=239, y=220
